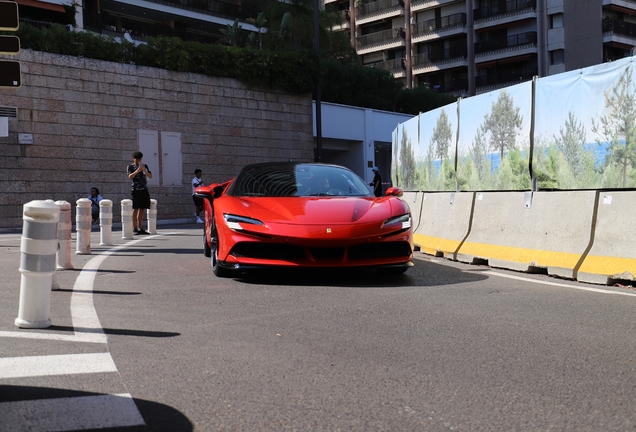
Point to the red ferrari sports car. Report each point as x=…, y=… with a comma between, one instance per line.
x=286, y=214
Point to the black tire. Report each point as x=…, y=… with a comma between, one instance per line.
x=214, y=258
x=207, y=250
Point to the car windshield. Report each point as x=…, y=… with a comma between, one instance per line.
x=298, y=180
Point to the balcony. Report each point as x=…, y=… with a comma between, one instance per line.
x=345, y=20
x=622, y=28
x=418, y=30
x=505, y=77
x=109, y=25
x=213, y=8
x=417, y=5
x=459, y=86
x=379, y=9
x=518, y=40
x=385, y=39
x=394, y=66
x=438, y=59
x=501, y=8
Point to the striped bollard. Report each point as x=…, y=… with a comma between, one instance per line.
x=152, y=217
x=64, y=227
x=83, y=219
x=105, y=222
x=37, y=263
x=126, y=219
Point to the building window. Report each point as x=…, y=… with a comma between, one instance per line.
x=556, y=20
x=557, y=57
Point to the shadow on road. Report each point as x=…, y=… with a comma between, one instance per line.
x=423, y=273
x=157, y=416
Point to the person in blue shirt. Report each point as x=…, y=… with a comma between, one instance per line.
x=95, y=198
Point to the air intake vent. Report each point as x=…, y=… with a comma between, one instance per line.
x=8, y=112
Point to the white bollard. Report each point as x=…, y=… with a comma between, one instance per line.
x=105, y=222
x=152, y=217
x=64, y=227
x=37, y=263
x=83, y=220
x=126, y=219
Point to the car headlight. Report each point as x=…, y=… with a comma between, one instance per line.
x=234, y=222
x=403, y=222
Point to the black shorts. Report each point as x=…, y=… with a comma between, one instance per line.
x=198, y=201
x=141, y=199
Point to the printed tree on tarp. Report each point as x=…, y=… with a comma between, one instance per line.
x=617, y=128
x=571, y=142
x=503, y=122
x=442, y=136
x=406, y=170
x=478, y=152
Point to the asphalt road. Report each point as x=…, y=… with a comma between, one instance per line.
x=445, y=347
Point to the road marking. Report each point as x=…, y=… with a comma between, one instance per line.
x=576, y=287
x=48, y=365
x=86, y=324
x=72, y=413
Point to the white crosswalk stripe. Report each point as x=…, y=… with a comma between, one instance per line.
x=69, y=413
x=66, y=414
x=23, y=367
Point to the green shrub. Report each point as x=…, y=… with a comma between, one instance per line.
x=294, y=71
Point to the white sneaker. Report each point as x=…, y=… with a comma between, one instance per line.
x=199, y=220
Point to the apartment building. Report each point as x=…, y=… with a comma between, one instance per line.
x=199, y=20
x=466, y=47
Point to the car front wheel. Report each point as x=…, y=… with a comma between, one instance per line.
x=214, y=259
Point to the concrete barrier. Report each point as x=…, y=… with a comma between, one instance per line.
x=612, y=255
x=414, y=200
x=444, y=223
x=522, y=231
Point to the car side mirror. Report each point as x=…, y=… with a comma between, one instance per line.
x=394, y=191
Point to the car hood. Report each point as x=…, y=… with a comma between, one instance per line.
x=313, y=211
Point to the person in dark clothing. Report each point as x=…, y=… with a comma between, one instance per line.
x=377, y=183
x=95, y=198
x=137, y=172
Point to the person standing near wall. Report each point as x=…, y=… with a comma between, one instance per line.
x=95, y=198
x=137, y=172
x=198, y=202
x=377, y=182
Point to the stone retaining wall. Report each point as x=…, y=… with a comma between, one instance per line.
x=84, y=116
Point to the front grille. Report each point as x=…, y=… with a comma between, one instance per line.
x=268, y=251
x=286, y=252
x=327, y=253
x=380, y=250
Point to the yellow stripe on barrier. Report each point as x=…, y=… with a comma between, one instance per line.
x=536, y=257
x=611, y=266
x=599, y=265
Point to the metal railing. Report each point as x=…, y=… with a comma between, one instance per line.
x=501, y=8
x=623, y=28
x=377, y=6
x=444, y=22
x=213, y=7
x=505, y=76
x=109, y=25
x=394, y=65
x=381, y=37
x=438, y=55
x=34, y=23
x=510, y=41
x=456, y=85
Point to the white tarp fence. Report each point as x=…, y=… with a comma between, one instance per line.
x=584, y=136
